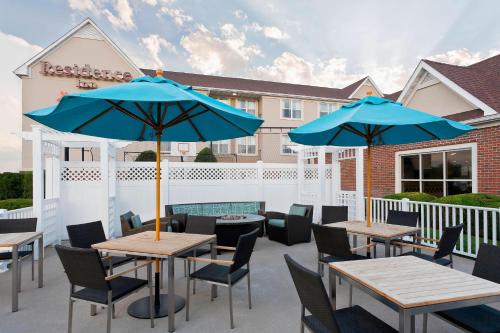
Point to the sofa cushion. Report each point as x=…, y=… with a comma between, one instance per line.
x=297, y=210
x=244, y=208
x=216, y=209
x=136, y=221
x=191, y=209
x=277, y=223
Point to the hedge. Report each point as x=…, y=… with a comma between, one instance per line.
x=11, y=204
x=471, y=199
x=413, y=196
x=16, y=185
x=146, y=156
x=205, y=155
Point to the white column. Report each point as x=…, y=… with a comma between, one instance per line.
x=321, y=177
x=56, y=172
x=38, y=185
x=360, y=191
x=300, y=175
x=260, y=179
x=335, y=177
x=104, y=167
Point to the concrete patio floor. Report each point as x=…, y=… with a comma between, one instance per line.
x=275, y=302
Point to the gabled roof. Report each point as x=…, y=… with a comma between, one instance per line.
x=87, y=29
x=393, y=96
x=478, y=83
x=270, y=87
x=351, y=89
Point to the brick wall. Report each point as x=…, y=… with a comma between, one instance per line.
x=383, y=162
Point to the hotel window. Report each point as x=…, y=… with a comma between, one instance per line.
x=327, y=108
x=166, y=147
x=221, y=147
x=248, y=106
x=291, y=109
x=223, y=100
x=247, y=145
x=438, y=173
x=287, y=145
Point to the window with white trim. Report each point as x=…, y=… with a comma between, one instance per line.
x=291, y=109
x=440, y=173
x=248, y=106
x=287, y=145
x=327, y=108
x=221, y=147
x=247, y=145
x=166, y=146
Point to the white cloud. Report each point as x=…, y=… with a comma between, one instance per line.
x=240, y=14
x=15, y=50
x=123, y=19
x=177, y=14
x=462, y=57
x=289, y=67
x=270, y=32
x=151, y=2
x=388, y=78
x=93, y=6
x=212, y=54
x=155, y=44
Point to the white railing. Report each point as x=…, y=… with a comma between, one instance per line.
x=481, y=225
x=21, y=213
x=50, y=225
x=348, y=198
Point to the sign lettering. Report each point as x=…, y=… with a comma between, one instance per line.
x=85, y=72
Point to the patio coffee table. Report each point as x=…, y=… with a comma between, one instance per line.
x=229, y=227
x=412, y=286
x=15, y=241
x=169, y=246
x=384, y=231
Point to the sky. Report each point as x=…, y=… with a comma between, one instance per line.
x=326, y=43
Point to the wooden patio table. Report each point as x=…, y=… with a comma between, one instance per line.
x=412, y=286
x=384, y=231
x=15, y=241
x=169, y=246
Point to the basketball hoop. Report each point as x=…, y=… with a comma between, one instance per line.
x=183, y=148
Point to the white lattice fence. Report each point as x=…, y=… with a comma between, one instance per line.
x=135, y=172
x=50, y=223
x=279, y=174
x=80, y=172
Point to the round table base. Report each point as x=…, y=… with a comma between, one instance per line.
x=140, y=308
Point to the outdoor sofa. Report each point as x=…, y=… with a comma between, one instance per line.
x=227, y=234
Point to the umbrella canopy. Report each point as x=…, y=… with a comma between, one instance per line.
x=375, y=121
x=139, y=110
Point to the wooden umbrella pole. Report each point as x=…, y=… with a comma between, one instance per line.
x=368, y=185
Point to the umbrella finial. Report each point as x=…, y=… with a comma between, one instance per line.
x=159, y=72
x=369, y=92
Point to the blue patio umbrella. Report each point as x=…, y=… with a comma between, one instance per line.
x=148, y=109
x=375, y=121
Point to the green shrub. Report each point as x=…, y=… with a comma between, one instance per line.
x=11, y=185
x=146, y=156
x=413, y=196
x=471, y=199
x=11, y=204
x=27, y=184
x=205, y=155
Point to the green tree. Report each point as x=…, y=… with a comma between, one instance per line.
x=205, y=155
x=11, y=185
x=146, y=156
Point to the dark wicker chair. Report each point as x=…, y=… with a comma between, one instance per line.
x=478, y=318
x=323, y=318
x=226, y=272
x=203, y=225
x=332, y=214
x=85, y=234
x=84, y=269
x=294, y=229
x=150, y=225
x=397, y=217
x=334, y=243
x=19, y=225
x=444, y=248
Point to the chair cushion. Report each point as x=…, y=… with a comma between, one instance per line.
x=135, y=221
x=120, y=286
x=356, y=319
x=440, y=261
x=218, y=273
x=329, y=259
x=297, y=210
x=116, y=261
x=8, y=255
x=199, y=252
x=277, y=223
x=479, y=318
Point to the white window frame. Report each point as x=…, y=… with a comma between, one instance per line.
x=167, y=144
x=282, y=143
x=245, y=109
x=245, y=138
x=337, y=104
x=301, y=103
x=218, y=143
x=472, y=146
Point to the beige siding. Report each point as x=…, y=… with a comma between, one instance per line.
x=363, y=91
x=439, y=100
